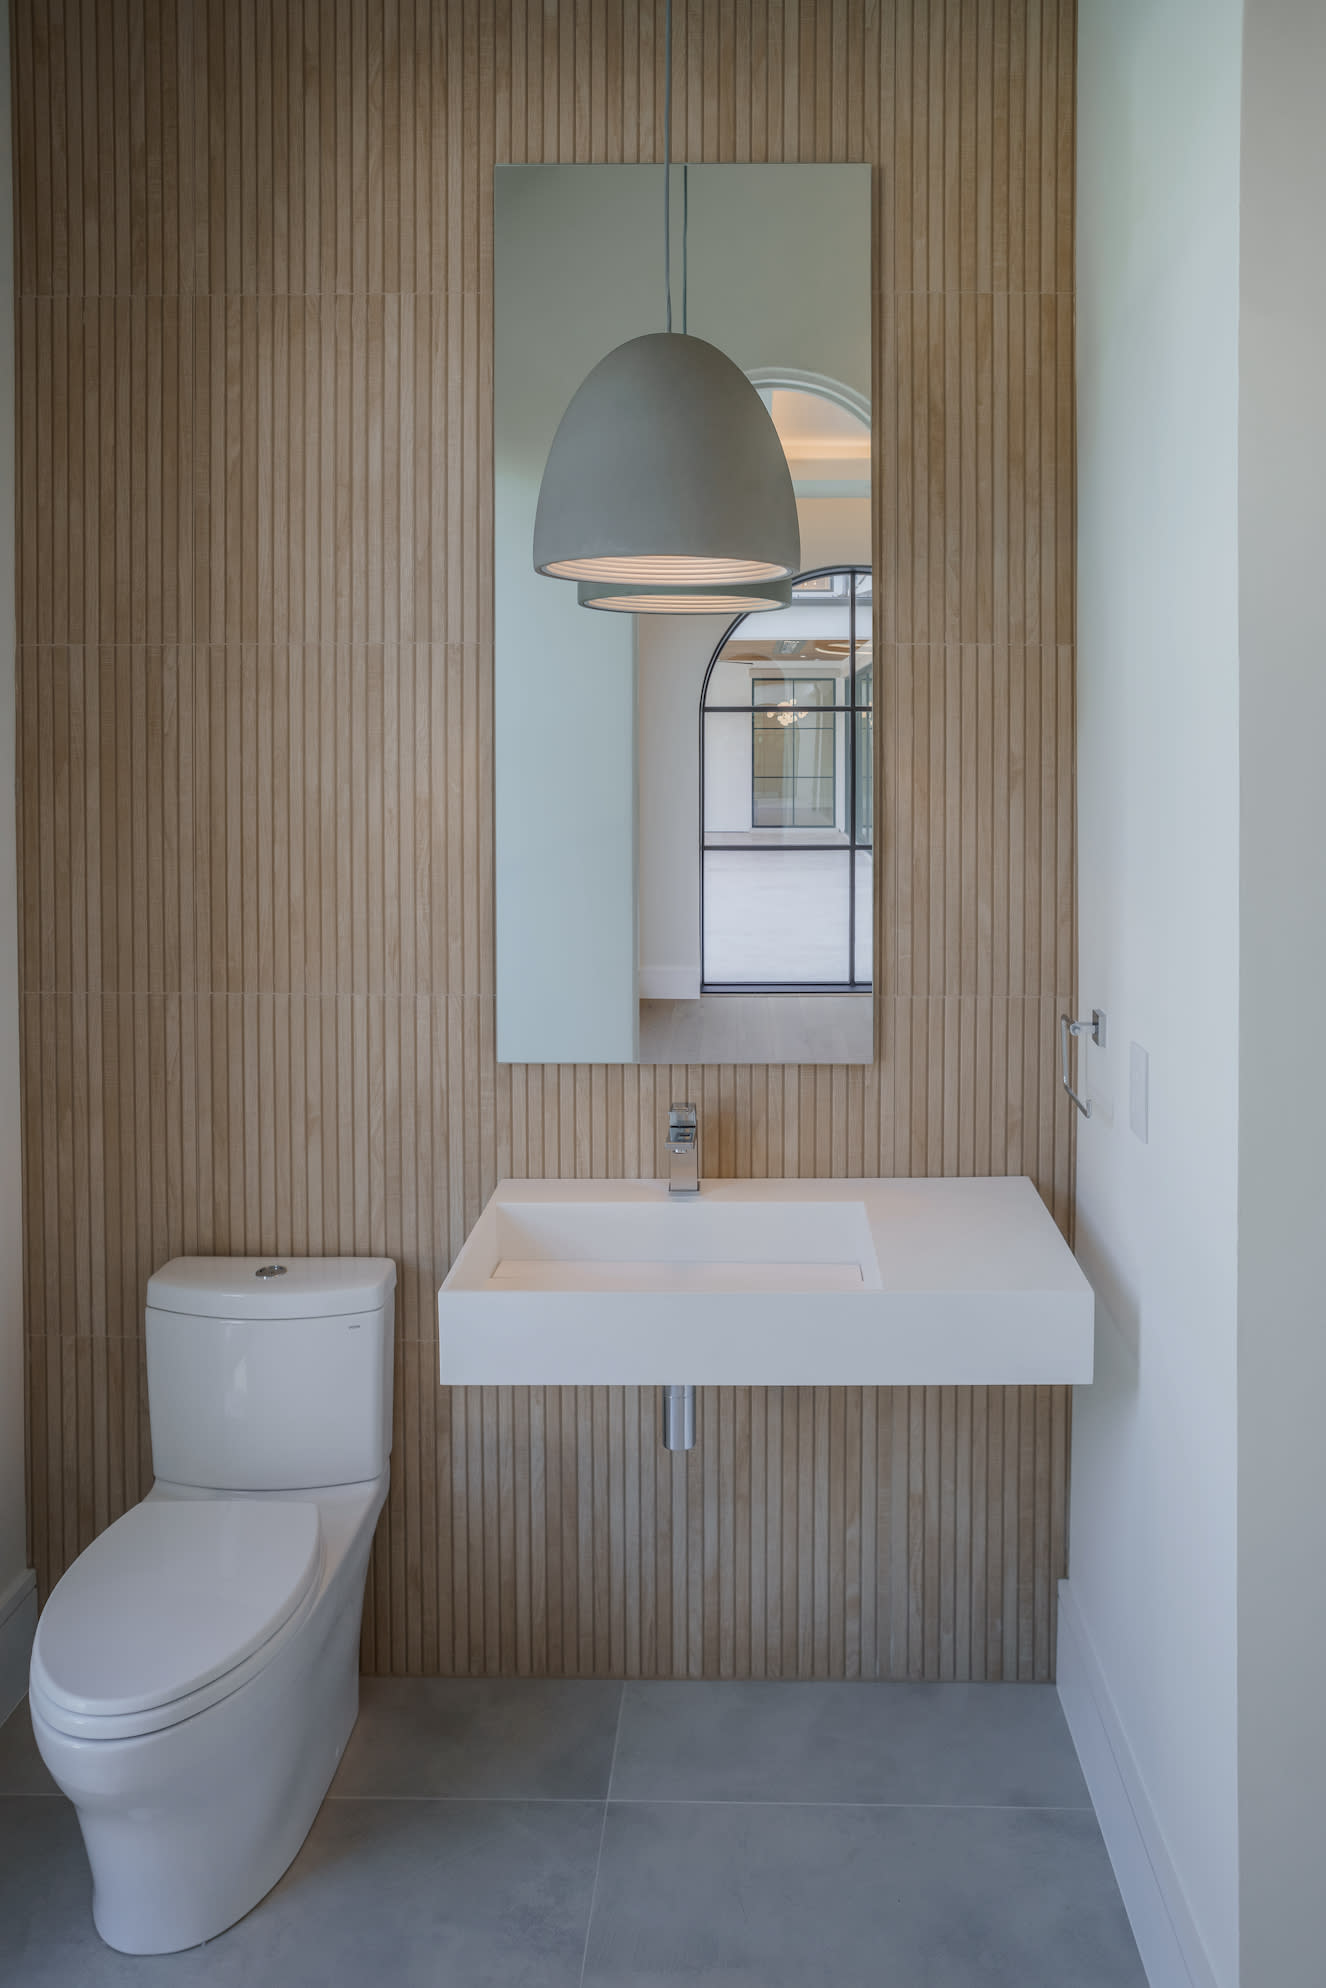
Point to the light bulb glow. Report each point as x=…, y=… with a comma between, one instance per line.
x=665, y=570
x=645, y=602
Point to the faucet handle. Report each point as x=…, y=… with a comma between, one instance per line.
x=683, y=1143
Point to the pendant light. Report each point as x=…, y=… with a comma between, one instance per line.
x=666, y=489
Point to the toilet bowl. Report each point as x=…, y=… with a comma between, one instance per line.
x=195, y=1672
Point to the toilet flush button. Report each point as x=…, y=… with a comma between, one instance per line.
x=270, y=1270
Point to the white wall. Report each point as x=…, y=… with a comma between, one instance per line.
x=564, y=680
x=674, y=652
x=17, y=1598
x=1152, y=1556
x=1282, y=1184
x=729, y=753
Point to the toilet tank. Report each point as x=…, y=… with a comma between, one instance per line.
x=270, y=1374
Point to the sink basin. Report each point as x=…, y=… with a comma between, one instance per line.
x=765, y=1283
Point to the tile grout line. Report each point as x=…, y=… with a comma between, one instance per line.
x=603, y=1832
x=512, y=1800
x=696, y=1802
x=761, y=1802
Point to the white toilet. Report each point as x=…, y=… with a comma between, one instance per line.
x=195, y=1674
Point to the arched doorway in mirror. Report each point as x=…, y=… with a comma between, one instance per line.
x=756, y=938
x=787, y=796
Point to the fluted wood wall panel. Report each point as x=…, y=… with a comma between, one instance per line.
x=254, y=257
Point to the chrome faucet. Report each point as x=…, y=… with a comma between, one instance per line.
x=683, y=1150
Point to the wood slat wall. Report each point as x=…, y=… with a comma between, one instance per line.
x=254, y=264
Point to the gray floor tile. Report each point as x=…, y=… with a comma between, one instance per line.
x=783, y=1896
x=811, y=1875
x=47, y=1939
x=22, y=1769
x=990, y=1744
x=495, y=1895
x=418, y=1894
x=534, y=1738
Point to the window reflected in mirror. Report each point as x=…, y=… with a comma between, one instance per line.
x=784, y=851
x=787, y=785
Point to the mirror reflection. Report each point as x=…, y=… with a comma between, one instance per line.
x=785, y=841
x=684, y=803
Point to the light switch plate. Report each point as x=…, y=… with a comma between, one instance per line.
x=1139, y=1086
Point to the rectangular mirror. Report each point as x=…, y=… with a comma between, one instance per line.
x=684, y=805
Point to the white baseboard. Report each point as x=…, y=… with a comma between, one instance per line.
x=669, y=983
x=18, y=1626
x=1167, y=1939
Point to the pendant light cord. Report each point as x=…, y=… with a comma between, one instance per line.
x=667, y=187
x=667, y=162
x=685, y=224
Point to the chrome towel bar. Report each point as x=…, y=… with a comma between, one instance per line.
x=1095, y=1028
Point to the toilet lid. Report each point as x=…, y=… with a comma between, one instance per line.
x=174, y=1594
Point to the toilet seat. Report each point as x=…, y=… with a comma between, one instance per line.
x=171, y=1608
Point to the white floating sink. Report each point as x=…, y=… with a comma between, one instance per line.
x=765, y=1283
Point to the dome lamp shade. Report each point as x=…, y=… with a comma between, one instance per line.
x=666, y=471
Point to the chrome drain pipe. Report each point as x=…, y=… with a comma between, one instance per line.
x=679, y=1418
